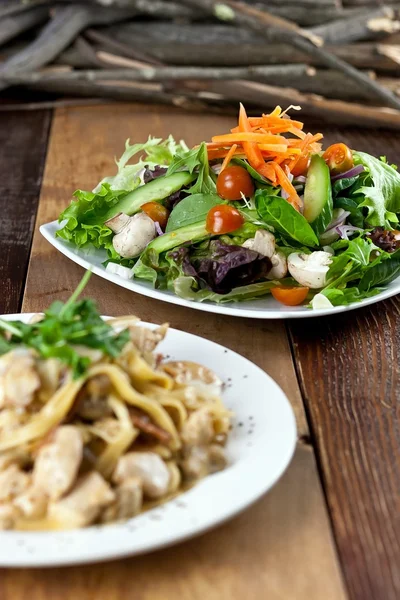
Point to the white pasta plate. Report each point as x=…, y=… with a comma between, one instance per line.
x=259, y=449
x=262, y=308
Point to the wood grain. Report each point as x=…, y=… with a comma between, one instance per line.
x=23, y=143
x=349, y=371
x=247, y=557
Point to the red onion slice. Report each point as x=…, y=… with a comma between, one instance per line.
x=353, y=172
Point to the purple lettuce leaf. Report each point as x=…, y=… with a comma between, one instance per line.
x=225, y=267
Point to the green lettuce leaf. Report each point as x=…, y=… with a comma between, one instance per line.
x=156, y=152
x=186, y=287
x=85, y=219
x=381, y=190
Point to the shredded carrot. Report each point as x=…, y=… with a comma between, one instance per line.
x=259, y=138
x=287, y=186
x=272, y=144
x=228, y=157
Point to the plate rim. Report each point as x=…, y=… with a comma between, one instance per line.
x=102, y=555
x=232, y=309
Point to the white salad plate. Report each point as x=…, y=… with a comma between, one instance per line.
x=261, y=308
x=259, y=449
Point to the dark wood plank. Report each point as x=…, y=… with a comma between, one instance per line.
x=23, y=143
x=349, y=373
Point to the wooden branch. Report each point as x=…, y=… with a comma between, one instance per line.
x=192, y=101
x=334, y=111
x=114, y=45
x=58, y=34
x=259, y=22
x=370, y=25
x=13, y=25
x=266, y=73
x=194, y=44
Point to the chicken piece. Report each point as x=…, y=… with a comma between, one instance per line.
x=84, y=503
x=50, y=372
x=185, y=372
x=217, y=460
x=149, y=468
x=32, y=503
x=92, y=402
x=57, y=462
x=10, y=420
x=198, y=429
x=146, y=340
x=8, y=515
x=13, y=482
x=195, y=464
x=201, y=461
x=128, y=501
x=19, y=378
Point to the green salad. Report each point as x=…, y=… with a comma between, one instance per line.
x=262, y=209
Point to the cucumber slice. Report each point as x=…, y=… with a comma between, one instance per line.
x=318, y=204
x=154, y=191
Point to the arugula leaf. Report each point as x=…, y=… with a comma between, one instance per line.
x=382, y=273
x=343, y=297
x=191, y=209
x=357, y=256
x=284, y=218
x=157, y=152
x=85, y=218
x=197, y=158
x=381, y=190
x=64, y=327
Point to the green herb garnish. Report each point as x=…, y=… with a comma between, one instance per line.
x=63, y=327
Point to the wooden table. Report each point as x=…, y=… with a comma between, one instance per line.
x=330, y=528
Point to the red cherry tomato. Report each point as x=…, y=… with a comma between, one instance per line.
x=223, y=219
x=234, y=181
x=301, y=166
x=157, y=212
x=291, y=296
x=339, y=158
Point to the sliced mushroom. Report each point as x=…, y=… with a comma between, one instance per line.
x=128, y=501
x=279, y=266
x=13, y=482
x=263, y=242
x=310, y=270
x=90, y=495
x=57, y=463
x=133, y=234
x=19, y=378
x=149, y=468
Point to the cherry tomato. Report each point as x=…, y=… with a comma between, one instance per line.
x=157, y=212
x=291, y=296
x=301, y=166
x=233, y=181
x=339, y=158
x=223, y=219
